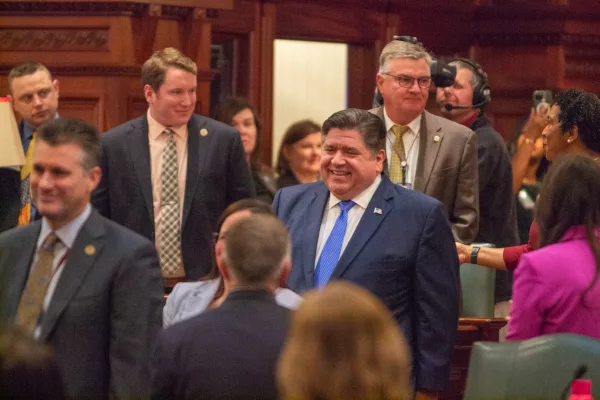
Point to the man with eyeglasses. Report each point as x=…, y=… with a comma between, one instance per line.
x=424, y=152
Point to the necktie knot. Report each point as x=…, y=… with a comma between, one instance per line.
x=346, y=205
x=399, y=130
x=49, y=243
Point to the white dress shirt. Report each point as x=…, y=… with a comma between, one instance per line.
x=332, y=212
x=411, y=141
x=67, y=235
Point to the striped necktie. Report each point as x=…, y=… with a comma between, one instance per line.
x=25, y=213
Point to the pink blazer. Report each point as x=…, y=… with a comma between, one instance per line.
x=547, y=290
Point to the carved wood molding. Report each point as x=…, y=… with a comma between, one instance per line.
x=537, y=39
x=101, y=70
x=55, y=39
x=94, y=8
x=575, y=68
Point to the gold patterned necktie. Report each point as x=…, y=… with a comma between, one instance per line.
x=170, y=229
x=398, y=154
x=32, y=299
x=25, y=213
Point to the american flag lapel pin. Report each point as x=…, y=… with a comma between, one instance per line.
x=377, y=211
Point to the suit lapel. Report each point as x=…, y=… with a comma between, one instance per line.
x=313, y=220
x=86, y=248
x=429, y=146
x=139, y=149
x=20, y=270
x=199, y=139
x=367, y=226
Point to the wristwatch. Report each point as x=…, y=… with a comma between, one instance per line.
x=474, y=254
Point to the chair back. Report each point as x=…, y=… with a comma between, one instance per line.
x=538, y=368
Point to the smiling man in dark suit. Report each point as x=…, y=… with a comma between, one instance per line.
x=169, y=174
x=85, y=285
x=358, y=226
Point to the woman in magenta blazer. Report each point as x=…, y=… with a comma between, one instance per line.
x=556, y=288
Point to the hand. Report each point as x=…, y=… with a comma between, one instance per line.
x=464, y=253
x=536, y=122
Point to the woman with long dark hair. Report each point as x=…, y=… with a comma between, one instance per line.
x=239, y=113
x=556, y=287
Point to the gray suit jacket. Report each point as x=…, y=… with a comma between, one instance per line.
x=447, y=170
x=105, y=311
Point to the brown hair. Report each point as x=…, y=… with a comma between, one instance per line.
x=73, y=131
x=27, y=368
x=227, y=109
x=255, y=249
x=295, y=133
x=155, y=68
x=344, y=333
x=570, y=196
x=27, y=68
x=255, y=206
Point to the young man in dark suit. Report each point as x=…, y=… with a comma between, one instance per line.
x=85, y=285
x=169, y=174
x=357, y=225
x=230, y=352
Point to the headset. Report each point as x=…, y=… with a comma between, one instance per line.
x=482, y=93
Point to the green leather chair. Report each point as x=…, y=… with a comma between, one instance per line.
x=538, y=368
x=477, y=285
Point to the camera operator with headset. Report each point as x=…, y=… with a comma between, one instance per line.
x=464, y=102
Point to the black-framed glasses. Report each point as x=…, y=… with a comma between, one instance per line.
x=406, y=81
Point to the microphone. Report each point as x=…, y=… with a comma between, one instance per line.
x=579, y=372
x=450, y=107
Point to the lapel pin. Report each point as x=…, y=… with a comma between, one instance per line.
x=203, y=132
x=377, y=211
x=89, y=250
x=436, y=138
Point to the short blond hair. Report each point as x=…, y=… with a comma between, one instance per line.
x=344, y=333
x=155, y=68
x=400, y=49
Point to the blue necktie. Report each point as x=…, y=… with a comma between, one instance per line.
x=333, y=246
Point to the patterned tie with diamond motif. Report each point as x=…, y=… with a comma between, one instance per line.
x=398, y=153
x=32, y=300
x=331, y=252
x=170, y=226
x=25, y=213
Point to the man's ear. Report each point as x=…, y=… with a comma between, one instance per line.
x=95, y=175
x=55, y=84
x=572, y=134
x=379, y=80
x=221, y=265
x=149, y=94
x=286, y=268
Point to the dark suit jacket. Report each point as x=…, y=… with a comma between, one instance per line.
x=447, y=170
x=217, y=175
x=498, y=213
x=406, y=256
x=105, y=311
x=226, y=353
x=10, y=198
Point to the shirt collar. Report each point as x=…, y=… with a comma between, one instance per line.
x=467, y=122
x=414, y=125
x=67, y=233
x=362, y=199
x=155, y=128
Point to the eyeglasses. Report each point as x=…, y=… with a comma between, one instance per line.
x=407, y=81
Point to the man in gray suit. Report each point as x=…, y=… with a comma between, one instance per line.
x=88, y=287
x=424, y=152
